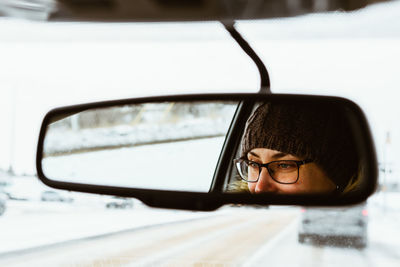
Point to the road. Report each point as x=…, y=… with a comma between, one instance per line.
x=232, y=236
x=227, y=238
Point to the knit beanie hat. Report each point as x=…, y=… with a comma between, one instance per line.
x=308, y=131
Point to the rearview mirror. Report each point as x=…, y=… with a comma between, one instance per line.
x=204, y=151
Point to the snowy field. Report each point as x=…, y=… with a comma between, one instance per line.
x=32, y=224
x=184, y=166
x=44, y=66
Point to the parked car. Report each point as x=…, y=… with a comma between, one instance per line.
x=5, y=178
x=344, y=226
x=119, y=203
x=3, y=200
x=55, y=196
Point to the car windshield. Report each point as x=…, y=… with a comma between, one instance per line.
x=46, y=65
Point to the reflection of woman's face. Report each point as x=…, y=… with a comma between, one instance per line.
x=312, y=178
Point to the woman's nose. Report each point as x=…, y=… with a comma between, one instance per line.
x=265, y=182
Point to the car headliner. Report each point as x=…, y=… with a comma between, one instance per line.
x=170, y=10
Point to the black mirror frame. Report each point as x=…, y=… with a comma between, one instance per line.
x=215, y=199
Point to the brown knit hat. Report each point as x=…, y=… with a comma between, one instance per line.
x=308, y=131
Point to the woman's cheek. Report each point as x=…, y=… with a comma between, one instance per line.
x=252, y=187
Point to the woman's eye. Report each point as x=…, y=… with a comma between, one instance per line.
x=286, y=165
x=253, y=164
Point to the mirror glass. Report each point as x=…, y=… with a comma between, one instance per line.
x=278, y=147
x=167, y=146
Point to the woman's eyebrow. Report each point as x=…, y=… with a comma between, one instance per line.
x=279, y=155
x=254, y=154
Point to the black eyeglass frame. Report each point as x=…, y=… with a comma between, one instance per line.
x=266, y=165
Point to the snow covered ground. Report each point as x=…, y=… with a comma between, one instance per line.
x=34, y=224
x=184, y=166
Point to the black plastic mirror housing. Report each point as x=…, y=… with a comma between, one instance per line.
x=170, y=10
x=54, y=171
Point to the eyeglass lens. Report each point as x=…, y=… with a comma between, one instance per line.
x=285, y=171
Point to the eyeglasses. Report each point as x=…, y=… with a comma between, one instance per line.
x=281, y=171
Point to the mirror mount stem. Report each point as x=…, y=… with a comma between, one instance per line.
x=265, y=86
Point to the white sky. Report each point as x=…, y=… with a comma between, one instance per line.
x=45, y=65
